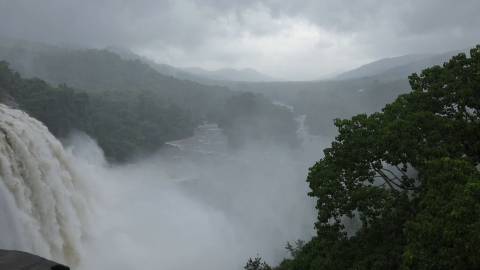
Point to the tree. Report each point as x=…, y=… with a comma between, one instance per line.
x=445, y=233
x=409, y=175
x=256, y=264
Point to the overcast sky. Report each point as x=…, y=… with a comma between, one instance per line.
x=286, y=39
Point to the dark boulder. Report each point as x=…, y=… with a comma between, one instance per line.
x=18, y=260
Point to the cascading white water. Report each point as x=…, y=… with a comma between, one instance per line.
x=43, y=207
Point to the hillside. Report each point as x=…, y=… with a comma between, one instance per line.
x=397, y=67
x=380, y=66
x=195, y=73
x=163, y=69
x=124, y=123
x=100, y=70
x=126, y=105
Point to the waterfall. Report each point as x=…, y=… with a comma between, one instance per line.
x=43, y=199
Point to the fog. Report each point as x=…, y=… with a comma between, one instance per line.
x=199, y=204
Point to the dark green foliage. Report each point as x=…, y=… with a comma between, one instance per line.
x=126, y=123
x=62, y=109
x=251, y=117
x=409, y=175
x=296, y=248
x=256, y=264
x=445, y=233
x=123, y=122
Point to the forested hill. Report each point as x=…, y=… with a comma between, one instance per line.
x=100, y=70
x=126, y=105
x=124, y=123
x=103, y=70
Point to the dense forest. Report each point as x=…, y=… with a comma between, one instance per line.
x=123, y=123
x=400, y=188
x=98, y=71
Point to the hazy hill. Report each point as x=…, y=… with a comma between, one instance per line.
x=95, y=70
x=164, y=69
x=397, y=67
x=195, y=73
x=380, y=66
x=128, y=106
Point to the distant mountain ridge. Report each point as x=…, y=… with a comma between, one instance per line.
x=392, y=68
x=380, y=66
x=196, y=73
x=397, y=67
x=163, y=69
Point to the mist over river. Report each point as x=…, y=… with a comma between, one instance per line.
x=197, y=203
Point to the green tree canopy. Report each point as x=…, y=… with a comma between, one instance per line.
x=408, y=175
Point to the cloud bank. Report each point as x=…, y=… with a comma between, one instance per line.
x=286, y=39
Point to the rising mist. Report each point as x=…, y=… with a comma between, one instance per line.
x=208, y=203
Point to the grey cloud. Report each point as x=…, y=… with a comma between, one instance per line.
x=194, y=30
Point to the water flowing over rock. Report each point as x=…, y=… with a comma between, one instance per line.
x=43, y=207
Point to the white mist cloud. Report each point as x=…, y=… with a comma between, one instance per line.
x=195, y=210
x=286, y=39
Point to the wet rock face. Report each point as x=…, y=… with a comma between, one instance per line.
x=18, y=260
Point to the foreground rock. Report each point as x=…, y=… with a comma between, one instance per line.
x=17, y=260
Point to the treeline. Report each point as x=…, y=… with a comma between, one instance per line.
x=408, y=176
x=123, y=122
